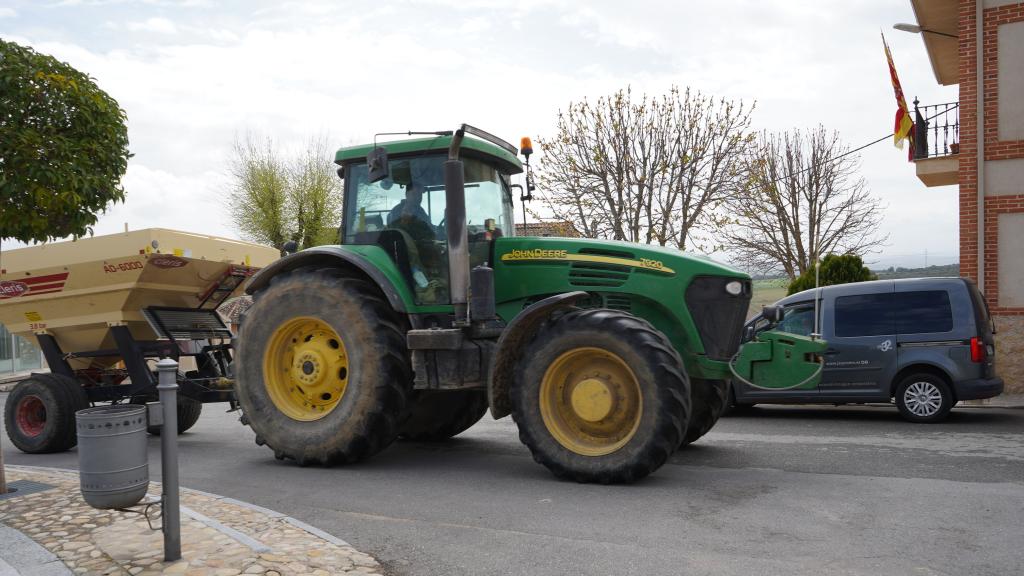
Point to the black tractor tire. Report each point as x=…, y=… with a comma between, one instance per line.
x=708, y=400
x=440, y=415
x=658, y=374
x=367, y=416
x=733, y=408
x=927, y=384
x=40, y=413
x=189, y=411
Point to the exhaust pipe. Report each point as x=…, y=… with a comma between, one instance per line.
x=458, y=240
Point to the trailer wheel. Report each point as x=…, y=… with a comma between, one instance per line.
x=600, y=396
x=323, y=371
x=441, y=415
x=708, y=399
x=189, y=411
x=40, y=413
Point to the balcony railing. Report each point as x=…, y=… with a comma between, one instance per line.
x=936, y=130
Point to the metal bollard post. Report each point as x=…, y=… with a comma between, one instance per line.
x=168, y=389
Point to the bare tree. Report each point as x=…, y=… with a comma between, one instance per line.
x=275, y=198
x=802, y=199
x=653, y=170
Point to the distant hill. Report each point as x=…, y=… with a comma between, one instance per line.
x=929, y=272
x=943, y=270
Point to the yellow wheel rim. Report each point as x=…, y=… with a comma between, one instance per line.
x=305, y=368
x=590, y=401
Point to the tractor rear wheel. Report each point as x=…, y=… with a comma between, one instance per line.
x=600, y=396
x=40, y=413
x=708, y=399
x=439, y=415
x=323, y=371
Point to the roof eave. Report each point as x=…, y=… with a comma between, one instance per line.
x=943, y=52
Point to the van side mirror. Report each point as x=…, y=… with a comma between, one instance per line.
x=773, y=314
x=377, y=164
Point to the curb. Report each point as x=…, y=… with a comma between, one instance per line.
x=32, y=558
x=271, y=514
x=23, y=555
x=256, y=546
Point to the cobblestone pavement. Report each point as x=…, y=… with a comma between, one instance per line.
x=220, y=536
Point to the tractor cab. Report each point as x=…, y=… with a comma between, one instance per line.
x=396, y=199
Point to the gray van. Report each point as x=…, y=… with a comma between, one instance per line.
x=924, y=343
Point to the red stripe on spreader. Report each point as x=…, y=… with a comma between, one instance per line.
x=44, y=279
x=38, y=287
x=34, y=292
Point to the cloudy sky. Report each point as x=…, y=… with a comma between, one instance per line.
x=194, y=74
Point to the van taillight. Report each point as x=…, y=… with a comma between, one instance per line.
x=977, y=350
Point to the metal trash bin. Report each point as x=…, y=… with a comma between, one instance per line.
x=113, y=462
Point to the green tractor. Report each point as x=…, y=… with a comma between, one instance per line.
x=609, y=356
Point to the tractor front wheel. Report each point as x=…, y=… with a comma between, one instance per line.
x=600, y=396
x=323, y=370
x=708, y=399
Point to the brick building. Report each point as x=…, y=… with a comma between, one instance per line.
x=985, y=159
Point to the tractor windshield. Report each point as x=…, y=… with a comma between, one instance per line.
x=405, y=215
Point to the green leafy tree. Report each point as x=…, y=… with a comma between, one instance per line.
x=63, y=150
x=834, y=269
x=276, y=198
x=63, y=147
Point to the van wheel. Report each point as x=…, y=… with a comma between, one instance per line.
x=923, y=398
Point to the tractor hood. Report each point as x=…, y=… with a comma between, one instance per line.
x=698, y=303
x=658, y=260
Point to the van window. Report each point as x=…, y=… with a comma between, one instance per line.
x=982, y=317
x=798, y=321
x=864, y=315
x=922, y=312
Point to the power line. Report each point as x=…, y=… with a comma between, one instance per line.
x=832, y=159
x=848, y=152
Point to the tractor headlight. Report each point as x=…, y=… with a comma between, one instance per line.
x=734, y=288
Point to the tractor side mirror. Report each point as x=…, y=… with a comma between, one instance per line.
x=290, y=247
x=377, y=164
x=773, y=314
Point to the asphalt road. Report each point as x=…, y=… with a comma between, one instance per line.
x=786, y=490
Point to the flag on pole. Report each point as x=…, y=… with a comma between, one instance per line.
x=904, y=128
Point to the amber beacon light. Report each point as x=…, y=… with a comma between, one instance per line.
x=525, y=146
